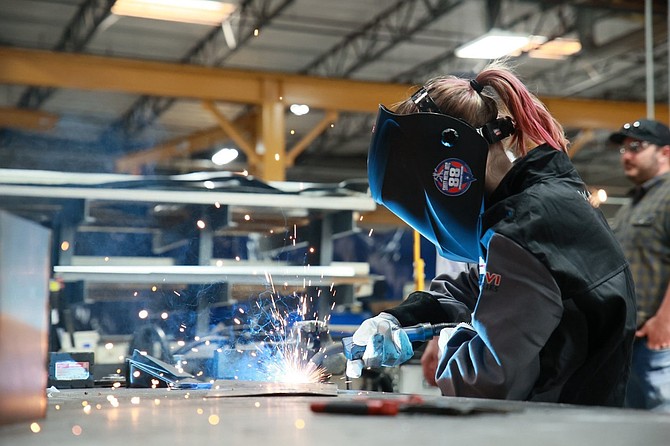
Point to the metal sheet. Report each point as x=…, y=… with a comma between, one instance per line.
x=229, y=388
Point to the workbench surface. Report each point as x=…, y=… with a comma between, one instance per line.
x=152, y=417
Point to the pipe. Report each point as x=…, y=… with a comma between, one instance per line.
x=649, y=59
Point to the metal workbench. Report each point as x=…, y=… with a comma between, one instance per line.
x=179, y=417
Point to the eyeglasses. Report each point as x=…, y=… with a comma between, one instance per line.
x=634, y=147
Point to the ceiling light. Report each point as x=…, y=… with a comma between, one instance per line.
x=299, y=109
x=201, y=12
x=224, y=156
x=492, y=45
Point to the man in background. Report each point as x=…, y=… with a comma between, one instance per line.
x=643, y=228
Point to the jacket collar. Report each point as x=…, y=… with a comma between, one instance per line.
x=539, y=164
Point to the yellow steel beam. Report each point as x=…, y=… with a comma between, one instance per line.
x=234, y=133
x=582, y=139
x=181, y=147
x=295, y=151
x=86, y=72
x=271, y=138
x=597, y=114
x=20, y=118
x=266, y=89
x=176, y=148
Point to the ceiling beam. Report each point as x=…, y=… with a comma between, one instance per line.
x=86, y=72
x=184, y=147
x=21, y=118
x=598, y=114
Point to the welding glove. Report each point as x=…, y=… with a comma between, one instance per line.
x=386, y=344
x=446, y=334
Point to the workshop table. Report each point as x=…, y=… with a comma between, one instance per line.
x=151, y=417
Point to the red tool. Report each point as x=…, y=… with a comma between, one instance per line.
x=412, y=404
x=366, y=406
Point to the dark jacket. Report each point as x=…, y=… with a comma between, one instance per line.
x=552, y=311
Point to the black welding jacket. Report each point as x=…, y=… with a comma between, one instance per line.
x=552, y=309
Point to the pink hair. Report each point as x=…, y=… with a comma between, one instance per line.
x=533, y=120
x=456, y=97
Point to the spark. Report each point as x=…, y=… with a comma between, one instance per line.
x=278, y=341
x=35, y=428
x=290, y=366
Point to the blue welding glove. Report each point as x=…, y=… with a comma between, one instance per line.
x=386, y=344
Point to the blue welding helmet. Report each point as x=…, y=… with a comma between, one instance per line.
x=428, y=169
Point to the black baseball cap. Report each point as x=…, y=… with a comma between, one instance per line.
x=644, y=130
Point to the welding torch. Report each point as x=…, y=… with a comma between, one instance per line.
x=415, y=333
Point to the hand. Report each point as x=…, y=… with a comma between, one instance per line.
x=429, y=360
x=657, y=332
x=386, y=344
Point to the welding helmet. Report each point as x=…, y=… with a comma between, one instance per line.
x=428, y=168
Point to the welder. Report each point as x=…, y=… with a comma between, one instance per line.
x=546, y=311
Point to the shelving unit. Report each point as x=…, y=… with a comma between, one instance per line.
x=188, y=213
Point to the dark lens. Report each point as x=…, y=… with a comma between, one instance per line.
x=449, y=137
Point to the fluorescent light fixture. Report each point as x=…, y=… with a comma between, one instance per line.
x=299, y=109
x=224, y=156
x=492, y=45
x=229, y=34
x=201, y=12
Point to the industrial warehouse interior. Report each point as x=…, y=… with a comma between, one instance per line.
x=187, y=233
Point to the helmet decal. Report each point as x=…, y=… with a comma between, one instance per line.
x=453, y=177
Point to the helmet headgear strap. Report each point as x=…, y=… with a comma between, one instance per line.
x=492, y=132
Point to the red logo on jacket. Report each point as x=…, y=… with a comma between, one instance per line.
x=492, y=281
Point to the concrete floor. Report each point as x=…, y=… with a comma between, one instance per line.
x=152, y=417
